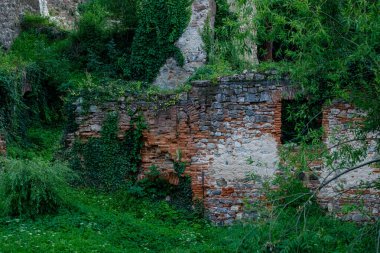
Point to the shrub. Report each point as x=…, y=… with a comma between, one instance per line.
x=156, y=187
x=30, y=22
x=102, y=41
x=29, y=188
x=42, y=25
x=11, y=101
x=30, y=75
x=224, y=43
x=39, y=141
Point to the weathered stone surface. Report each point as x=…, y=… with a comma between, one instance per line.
x=340, y=121
x=63, y=12
x=191, y=46
x=9, y=21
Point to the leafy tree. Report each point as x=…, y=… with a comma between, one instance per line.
x=330, y=48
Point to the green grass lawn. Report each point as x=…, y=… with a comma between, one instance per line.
x=118, y=223
x=101, y=223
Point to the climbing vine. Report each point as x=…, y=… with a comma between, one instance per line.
x=161, y=23
x=108, y=163
x=155, y=186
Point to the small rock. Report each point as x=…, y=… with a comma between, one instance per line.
x=221, y=182
x=211, y=146
x=237, y=144
x=96, y=128
x=358, y=217
x=216, y=192
x=93, y=109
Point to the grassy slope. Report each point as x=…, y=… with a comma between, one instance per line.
x=99, y=225
x=117, y=223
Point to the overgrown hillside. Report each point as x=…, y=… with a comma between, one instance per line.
x=88, y=197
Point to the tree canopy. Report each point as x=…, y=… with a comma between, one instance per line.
x=330, y=48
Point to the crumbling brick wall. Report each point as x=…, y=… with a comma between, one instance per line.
x=217, y=128
x=340, y=121
x=228, y=133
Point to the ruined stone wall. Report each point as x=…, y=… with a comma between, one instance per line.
x=229, y=134
x=341, y=121
x=191, y=46
x=217, y=128
x=11, y=11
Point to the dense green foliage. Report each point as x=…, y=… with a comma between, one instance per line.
x=155, y=187
x=330, y=48
x=42, y=142
x=109, y=163
x=11, y=105
x=100, y=44
x=129, y=39
x=223, y=54
x=219, y=43
x=161, y=23
x=31, y=74
x=114, y=41
x=30, y=188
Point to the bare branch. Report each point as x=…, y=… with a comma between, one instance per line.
x=347, y=171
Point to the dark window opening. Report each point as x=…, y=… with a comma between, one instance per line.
x=299, y=118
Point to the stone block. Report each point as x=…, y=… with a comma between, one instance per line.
x=252, y=98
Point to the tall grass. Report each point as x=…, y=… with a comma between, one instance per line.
x=30, y=188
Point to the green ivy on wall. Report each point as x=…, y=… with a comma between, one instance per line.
x=108, y=163
x=161, y=23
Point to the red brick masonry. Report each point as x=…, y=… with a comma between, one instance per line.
x=225, y=131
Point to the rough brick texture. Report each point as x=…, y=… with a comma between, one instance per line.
x=340, y=122
x=226, y=131
x=217, y=127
